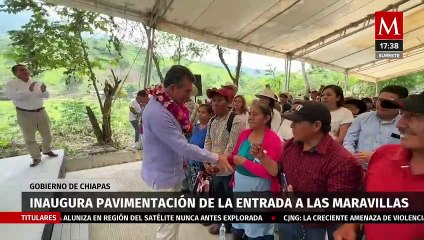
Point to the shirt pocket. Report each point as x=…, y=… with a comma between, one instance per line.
x=393, y=138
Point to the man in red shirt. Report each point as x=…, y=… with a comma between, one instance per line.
x=396, y=168
x=313, y=163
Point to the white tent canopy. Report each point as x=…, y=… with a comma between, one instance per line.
x=336, y=34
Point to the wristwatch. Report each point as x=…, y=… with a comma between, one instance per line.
x=257, y=160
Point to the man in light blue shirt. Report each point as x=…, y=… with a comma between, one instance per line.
x=371, y=130
x=165, y=145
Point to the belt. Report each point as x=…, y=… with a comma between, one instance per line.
x=26, y=110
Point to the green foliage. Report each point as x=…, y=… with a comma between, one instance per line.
x=73, y=118
x=69, y=124
x=44, y=44
x=130, y=89
x=183, y=48
x=413, y=82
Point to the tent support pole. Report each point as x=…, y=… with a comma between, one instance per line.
x=288, y=73
x=346, y=77
x=376, y=88
x=147, y=61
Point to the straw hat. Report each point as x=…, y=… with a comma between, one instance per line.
x=230, y=85
x=194, y=91
x=267, y=93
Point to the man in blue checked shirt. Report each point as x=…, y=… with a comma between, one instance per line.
x=373, y=129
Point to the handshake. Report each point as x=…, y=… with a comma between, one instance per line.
x=221, y=166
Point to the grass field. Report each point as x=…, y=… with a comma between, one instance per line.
x=70, y=126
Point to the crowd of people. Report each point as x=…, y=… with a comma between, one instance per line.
x=324, y=143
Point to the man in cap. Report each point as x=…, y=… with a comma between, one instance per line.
x=232, y=89
x=371, y=130
x=313, y=162
x=396, y=168
x=221, y=137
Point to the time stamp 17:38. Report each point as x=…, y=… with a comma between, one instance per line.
x=388, y=45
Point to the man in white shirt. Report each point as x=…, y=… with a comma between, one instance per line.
x=28, y=98
x=136, y=108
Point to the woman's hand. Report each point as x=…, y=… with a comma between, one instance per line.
x=257, y=151
x=239, y=160
x=211, y=169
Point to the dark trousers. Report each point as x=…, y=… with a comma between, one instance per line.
x=137, y=130
x=294, y=231
x=221, y=188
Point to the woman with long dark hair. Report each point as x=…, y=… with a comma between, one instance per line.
x=240, y=108
x=341, y=118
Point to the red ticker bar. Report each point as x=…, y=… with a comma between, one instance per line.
x=30, y=217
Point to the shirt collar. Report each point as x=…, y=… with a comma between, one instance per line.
x=393, y=121
x=403, y=156
x=322, y=147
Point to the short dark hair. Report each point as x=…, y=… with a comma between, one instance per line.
x=142, y=93
x=401, y=91
x=325, y=128
x=338, y=91
x=314, y=91
x=283, y=95
x=176, y=75
x=367, y=100
x=208, y=107
x=15, y=68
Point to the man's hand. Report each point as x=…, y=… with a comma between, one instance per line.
x=223, y=164
x=238, y=160
x=31, y=87
x=363, y=156
x=346, y=232
x=211, y=169
x=257, y=151
x=43, y=87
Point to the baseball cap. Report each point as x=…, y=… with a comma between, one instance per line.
x=310, y=111
x=413, y=103
x=222, y=91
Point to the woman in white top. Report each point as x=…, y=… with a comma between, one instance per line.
x=269, y=98
x=341, y=117
x=285, y=131
x=240, y=108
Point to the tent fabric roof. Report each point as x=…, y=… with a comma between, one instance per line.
x=336, y=34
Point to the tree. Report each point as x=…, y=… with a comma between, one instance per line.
x=414, y=82
x=45, y=44
x=272, y=80
x=179, y=48
x=236, y=77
